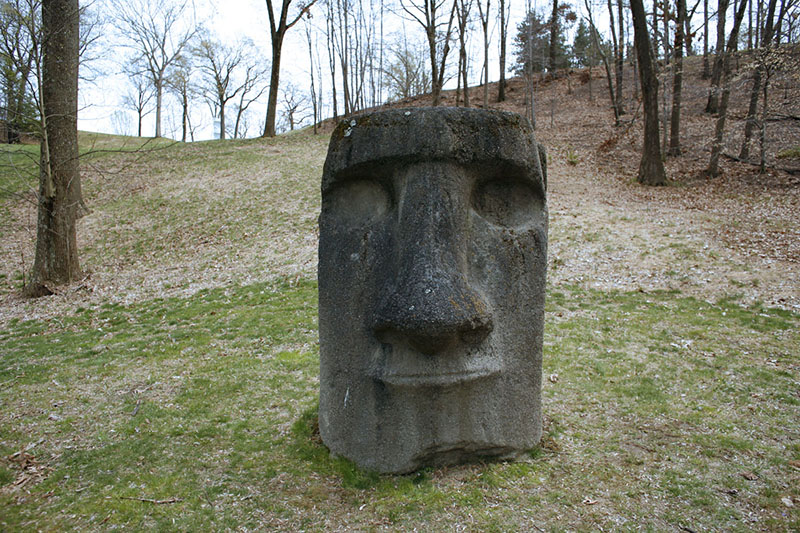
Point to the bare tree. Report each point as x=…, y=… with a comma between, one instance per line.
x=139, y=95
x=617, y=47
x=716, y=72
x=432, y=15
x=716, y=147
x=313, y=87
x=60, y=199
x=179, y=82
x=651, y=167
x=405, y=73
x=505, y=15
x=279, y=24
x=158, y=33
x=677, y=80
x=758, y=75
x=484, y=17
x=604, y=58
x=353, y=39
x=121, y=122
x=295, y=106
x=252, y=89
x=330, y=39
x=20, y=22
x=220, y=65
x=706, y=71
x=462, y=21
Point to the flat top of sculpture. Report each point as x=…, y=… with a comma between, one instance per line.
x=402, y=136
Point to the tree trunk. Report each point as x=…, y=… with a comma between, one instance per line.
x=313, y=87
x=651, y=168
x=185, y=113
x=485, y=24
x=751, y=121
x=221, y=119
x=677, y=82
x=603, y=57
x=501, y=87
x=763, y=133
x=705, y=40
x=274, y=79
x=716, y=73
x=553, y=36
x=616, y=45
x=436, y=89
x=159, y=101
x=716, y=147
x=758, y=75
x=621, y=57
x=438, y=68
x=462, y=15
x=60, y=200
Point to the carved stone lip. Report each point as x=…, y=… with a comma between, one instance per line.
x=401, y=366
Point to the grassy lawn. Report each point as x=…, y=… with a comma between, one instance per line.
x=197, y=414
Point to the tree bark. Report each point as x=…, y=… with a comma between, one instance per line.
x=716, y=73
x=485, y=24
x=751, y=121
x=677, y=82
x=222, y=119
x=716, y=147
x=553, y=37
x=621, y=57
x=184, y=113
x=274, y=80
x=706, y=69
x=501, y=87
x=462, y=18
x=616, y=44
x=651, y=167
x=60, y=201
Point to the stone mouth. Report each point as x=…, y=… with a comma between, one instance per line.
x=402, y=366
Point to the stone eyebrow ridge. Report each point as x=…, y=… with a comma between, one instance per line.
x=407, y=136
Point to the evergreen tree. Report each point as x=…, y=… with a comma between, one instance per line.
x=535, y=57
x=584, y=53
x=531, y=44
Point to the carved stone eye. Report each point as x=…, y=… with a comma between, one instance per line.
x=358, y=202
x=507, y=203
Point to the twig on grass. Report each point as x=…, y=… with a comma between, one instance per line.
x=10, y=381
x=151, y=500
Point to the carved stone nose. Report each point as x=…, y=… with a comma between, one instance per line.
x=430, y=305
x=432, y=314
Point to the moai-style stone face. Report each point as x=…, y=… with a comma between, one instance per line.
x=432, y=260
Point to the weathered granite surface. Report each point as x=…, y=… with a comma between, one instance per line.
x=432, y=261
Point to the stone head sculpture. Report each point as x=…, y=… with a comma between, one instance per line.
x=432, y=261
